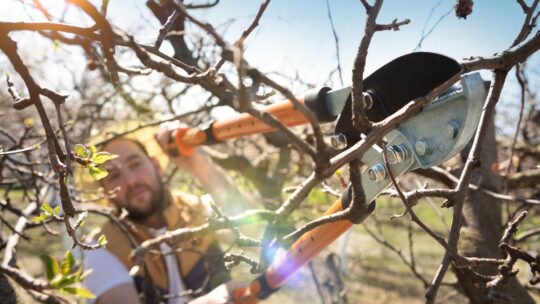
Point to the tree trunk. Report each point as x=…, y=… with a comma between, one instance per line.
x=483, y=228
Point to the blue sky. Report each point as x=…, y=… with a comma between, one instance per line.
x=297, y=34
x=295, y=37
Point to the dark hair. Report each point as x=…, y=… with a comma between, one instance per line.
x=136, y=142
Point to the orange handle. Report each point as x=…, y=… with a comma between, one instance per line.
x=245, y=124
x=306, y=248
x=300, y=253
x=247, y=295
x=186, y=139
x=182, y=141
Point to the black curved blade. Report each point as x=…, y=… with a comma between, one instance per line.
x=397, y=83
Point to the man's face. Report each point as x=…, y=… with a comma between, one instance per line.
x=137, y=177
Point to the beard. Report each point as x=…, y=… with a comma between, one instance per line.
x=156, y=203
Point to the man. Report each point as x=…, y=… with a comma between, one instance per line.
x=152, y=209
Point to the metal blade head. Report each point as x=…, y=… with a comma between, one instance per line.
x=440, y=131
x=397, y=83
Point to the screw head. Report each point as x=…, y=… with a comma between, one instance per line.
x=377, y=173
x=338, y=141
x=451, y=129
x=441, y=148
x=421, y=147
x=397, y=154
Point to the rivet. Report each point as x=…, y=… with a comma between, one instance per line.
x=441, y=148
x=421, y=147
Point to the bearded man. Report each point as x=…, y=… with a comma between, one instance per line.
x=166, y=276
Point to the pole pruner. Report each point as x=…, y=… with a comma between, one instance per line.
x=436, y=133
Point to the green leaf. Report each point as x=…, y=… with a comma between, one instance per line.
x=103, y=156
x=82, y=216
x=51, y=266
x=69, y=290
x=93, y=151
x=47, y=209
x=66, y=281
x=56, y=44
x=81, y=151
x=57, y=280
x=102, y=240
x=104, y=5
x=67, y=263
x=78, y=291
x=85, y=274
x=97, y=173
x=56, y=209
x=39, y=218
x=28, y=122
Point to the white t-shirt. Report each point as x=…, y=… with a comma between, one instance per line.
x=109, y=272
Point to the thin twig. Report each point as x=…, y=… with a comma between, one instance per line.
x=336, y=40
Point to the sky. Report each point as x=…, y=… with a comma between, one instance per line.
x=294, y=37
x=297, y=34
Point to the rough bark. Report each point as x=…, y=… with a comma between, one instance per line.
x=483, y=230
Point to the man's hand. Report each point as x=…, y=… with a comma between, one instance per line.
x=219, y=295
x=165, y=140
x=213, y=178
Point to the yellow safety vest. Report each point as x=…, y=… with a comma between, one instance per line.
x=200, y=260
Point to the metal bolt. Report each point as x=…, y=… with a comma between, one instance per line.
x=421, y=147
x=377, y=173
x=368, y=100
x=338, y=141
x=451, y=129
x=441, y=148
x=397, y=154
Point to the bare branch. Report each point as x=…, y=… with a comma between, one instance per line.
x=505, y=60
x=462, y=186
x=336, y=40
x=206, y=5
x=394, y=26
x=366, y=5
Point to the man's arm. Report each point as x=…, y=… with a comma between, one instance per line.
x=109, y=280
x=217, y=182
x=212, y=177
x=124, y=293
x=219, y=295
